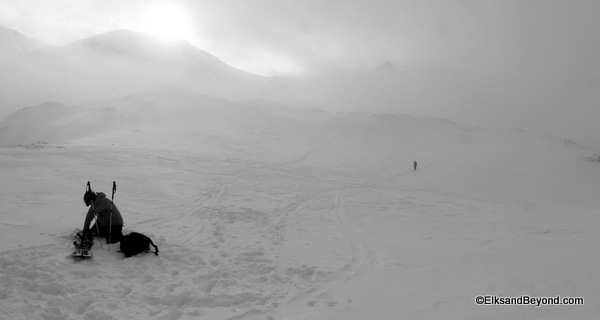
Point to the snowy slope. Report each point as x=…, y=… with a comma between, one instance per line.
x=273, y=215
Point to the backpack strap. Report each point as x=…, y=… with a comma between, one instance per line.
x=155, y=247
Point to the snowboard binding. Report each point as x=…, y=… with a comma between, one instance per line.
x=83, y=244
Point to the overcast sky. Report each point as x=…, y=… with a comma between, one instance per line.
x=536, y=60
x=289, y=37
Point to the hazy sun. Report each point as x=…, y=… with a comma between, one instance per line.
x=168, y=21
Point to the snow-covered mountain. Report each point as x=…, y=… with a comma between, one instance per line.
x=124, y=62
x=116, y=63
x=14, y=42
x=144, y=48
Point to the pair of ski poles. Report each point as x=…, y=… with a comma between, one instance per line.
x=112, y=200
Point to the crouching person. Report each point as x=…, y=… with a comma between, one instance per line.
x=101, y=206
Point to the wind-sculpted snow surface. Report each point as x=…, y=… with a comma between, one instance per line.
x=262, y=215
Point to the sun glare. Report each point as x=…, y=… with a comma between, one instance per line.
x=167, y=21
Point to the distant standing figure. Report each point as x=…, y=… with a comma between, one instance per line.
x=415, y=164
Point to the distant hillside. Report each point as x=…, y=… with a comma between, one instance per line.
x=143, y=48
x=171, y=118
x=124, y=62
x=116, y=63
x=13, y=42
x=166, y=113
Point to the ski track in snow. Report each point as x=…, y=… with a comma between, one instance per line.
x=269, y=230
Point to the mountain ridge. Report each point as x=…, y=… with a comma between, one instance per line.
x=14, y=42
x=116, y=63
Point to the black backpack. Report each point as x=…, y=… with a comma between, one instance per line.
x=135, y=243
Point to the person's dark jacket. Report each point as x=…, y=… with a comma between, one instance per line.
x=102, y=209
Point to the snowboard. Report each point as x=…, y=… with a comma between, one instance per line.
x=81, y=254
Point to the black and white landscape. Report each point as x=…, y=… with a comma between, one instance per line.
x=294, y=196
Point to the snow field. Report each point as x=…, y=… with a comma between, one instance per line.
x=319, y=220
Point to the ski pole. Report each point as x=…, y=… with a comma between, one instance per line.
x=89, y=189
x=112, y=200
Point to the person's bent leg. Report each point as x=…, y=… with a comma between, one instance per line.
x=116, y=233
